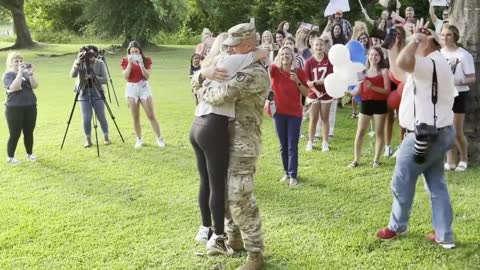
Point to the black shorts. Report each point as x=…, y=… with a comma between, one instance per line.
x=460, y=103
x=371, y=107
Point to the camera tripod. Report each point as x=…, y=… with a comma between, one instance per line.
x=101, y=56
x=85, y=70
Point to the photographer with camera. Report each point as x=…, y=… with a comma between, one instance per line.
x=426, y=113
x=91, y=74
x=136, y=70
x=21, y=105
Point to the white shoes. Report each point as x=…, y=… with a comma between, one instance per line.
x=139, y=143
x=160, y=142
x=203, y=235
x=293, y=182
x=217, y=245
x=13, y=161
x=388, y=151
x=31, y=158
x=284, y=179
x=325, y=147
x=309, y=146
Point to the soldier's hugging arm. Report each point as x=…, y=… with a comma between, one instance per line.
x=227, y=92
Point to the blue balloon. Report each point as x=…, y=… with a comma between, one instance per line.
x=357, y=52
x=358, y=99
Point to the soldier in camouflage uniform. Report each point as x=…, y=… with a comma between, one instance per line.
x=249, y=89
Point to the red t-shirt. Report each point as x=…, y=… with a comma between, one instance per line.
x=369, y=94
x=136, y=73
x=316, y=71
x=287, y=94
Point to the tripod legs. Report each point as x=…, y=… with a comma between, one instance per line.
x=69, y=119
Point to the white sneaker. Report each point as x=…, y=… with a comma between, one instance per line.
x=388, y=151
x=203, y=235
x=309, y=146
x=31, y=158
x=284, y=179
x=160, y=142
x=394, y=155
x=217, y=245
x=325, y=147
x=293, y=182
x=13, y=161
x=139, y=143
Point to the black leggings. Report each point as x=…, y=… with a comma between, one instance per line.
x=210, y=140
x=20, y=119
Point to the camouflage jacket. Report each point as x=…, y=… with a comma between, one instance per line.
x=249, y=90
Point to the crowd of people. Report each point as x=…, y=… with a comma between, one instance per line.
x=239, y=74
x=402, y=56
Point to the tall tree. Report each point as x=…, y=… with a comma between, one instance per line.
x=465, y=15
x=24, y=39
x=132, y=20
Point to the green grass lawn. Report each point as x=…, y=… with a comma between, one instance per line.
x=137, y=209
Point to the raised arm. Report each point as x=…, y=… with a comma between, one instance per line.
x=367, y=18
x=433, y=17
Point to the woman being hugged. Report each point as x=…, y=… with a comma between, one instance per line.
x=288, y=84
x=136, y=70
x=316, y=69
x=21, y=105
x=374, y=92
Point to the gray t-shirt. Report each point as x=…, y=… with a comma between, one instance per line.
x=24, y=97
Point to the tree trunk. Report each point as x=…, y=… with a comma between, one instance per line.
x=465, y=14
x=24, y=39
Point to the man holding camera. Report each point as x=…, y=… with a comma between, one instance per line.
x=426, y=113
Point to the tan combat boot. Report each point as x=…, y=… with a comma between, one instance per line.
x=254, y=261
x=235, y=242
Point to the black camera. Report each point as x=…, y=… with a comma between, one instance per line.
x=424, y=135
x=87, y=52
x=390, y=38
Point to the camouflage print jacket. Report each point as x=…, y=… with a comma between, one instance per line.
x=249, y=90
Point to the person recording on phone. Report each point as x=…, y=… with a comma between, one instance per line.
x=21, y=105
x=91, y=74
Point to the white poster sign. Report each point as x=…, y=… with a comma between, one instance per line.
x=336, y=5
x=440, y=3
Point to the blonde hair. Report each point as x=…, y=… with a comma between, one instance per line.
x=12, y=55
x=278, y=62
x=269, y=34
x=217, y=49
x=357, y=29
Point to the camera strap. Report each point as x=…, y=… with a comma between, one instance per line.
x=434, y=95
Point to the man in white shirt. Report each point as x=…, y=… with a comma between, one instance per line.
x=417, y=107
x=437, y=21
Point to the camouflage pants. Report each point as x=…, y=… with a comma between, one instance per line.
x=242, y=215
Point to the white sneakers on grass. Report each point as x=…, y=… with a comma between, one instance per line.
x=14, y=161
x=309, y=146
x=217, y=245
x=139, y=143
x=325, y=147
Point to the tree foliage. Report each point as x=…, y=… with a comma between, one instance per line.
x=54, y=15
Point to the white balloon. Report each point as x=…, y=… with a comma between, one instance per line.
x=339, y=55
x=358, y=67
x=335, y=85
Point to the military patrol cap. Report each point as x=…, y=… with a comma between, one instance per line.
x=238, y=33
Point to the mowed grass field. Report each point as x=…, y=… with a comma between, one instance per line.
x=137, y=209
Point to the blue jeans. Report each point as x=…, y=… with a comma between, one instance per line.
x=91, y=98
x=288, y=132
x=405, y=178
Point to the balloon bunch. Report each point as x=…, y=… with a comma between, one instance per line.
x=348, y=68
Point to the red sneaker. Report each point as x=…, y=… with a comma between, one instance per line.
x=387, y=234
x=432, y=237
